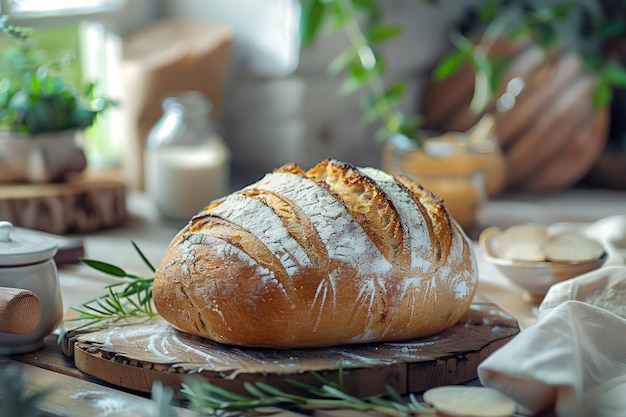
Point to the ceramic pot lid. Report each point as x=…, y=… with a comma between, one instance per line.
x=23, y=246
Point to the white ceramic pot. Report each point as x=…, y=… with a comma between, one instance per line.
x=40, y=159
x=26, y=262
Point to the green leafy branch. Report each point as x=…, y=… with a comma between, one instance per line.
x=210, y=399
x=364, y=66
x=512, y=20
x=15, y=32
x=34, y=96
x=362, y=63
x=131, y=297
x=609, y=73
x=515, y=20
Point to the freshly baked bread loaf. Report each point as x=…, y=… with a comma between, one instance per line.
x=331, y=256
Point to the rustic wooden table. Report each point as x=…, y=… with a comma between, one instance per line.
x=79, y=394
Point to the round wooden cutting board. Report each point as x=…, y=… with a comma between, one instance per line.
x=133, y=355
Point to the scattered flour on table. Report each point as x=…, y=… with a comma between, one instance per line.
x=106, y=403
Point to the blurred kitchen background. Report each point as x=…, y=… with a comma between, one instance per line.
x=274, y=102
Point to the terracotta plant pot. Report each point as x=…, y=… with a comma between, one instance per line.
x=40, y=159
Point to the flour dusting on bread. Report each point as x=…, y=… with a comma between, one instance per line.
x=334, y=255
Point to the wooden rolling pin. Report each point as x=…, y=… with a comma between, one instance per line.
x=20, y=310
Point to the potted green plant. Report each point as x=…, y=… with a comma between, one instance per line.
x=41, y=113
x=483, y=24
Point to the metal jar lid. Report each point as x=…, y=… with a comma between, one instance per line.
x=23, y=246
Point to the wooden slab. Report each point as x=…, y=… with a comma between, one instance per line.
x=135, y=354
x=72, y=397
x=92, y=200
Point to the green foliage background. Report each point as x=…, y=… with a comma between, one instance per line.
x=54, y=41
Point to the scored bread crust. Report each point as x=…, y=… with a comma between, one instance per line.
x=334, y=255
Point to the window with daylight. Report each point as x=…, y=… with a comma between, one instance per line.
x=57, y=8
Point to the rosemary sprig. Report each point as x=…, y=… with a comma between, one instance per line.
x=210, y=399
x=131, y=297
x=162, y=398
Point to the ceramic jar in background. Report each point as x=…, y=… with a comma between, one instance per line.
x=447, y=165
x=44, y=158
x=26, y=262
x=186, y=161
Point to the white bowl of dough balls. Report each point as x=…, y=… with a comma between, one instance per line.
x=534, y=258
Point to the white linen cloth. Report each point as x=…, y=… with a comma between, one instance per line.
x=573, y=359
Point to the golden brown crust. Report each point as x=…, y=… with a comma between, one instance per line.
x=330, y=256
x=367, y=204
x=433, y=206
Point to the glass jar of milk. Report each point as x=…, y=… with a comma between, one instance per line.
x=186, y=161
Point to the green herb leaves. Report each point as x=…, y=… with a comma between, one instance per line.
x=609, y=75
x=362, y=64
x=34, y=97
x=539, y=23
x=512, y=22
x=131, y=297
x=210, y=399
x=312, y=17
